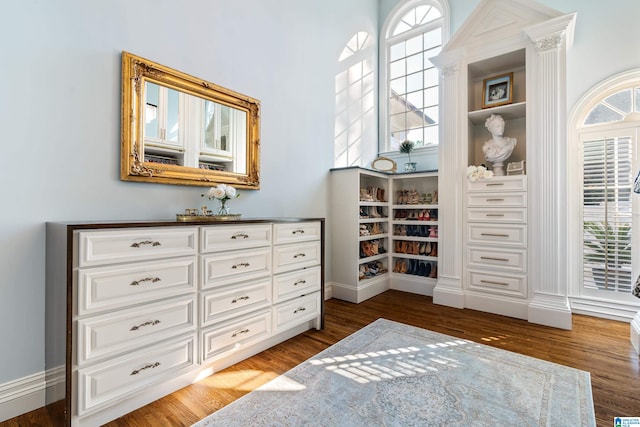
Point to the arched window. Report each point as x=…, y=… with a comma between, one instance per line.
x=409, y=94
x=606, y=126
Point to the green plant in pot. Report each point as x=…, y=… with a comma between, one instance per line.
x=406, y=147
x=609, y=250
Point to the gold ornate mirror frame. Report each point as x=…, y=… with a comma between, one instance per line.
x=136, y=72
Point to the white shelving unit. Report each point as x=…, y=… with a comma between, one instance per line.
x=370, y=238
x=527, y=278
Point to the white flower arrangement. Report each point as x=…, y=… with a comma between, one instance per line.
x=475, y=173
x=222, y=192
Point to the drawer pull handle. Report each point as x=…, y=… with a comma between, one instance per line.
x=146, y=279
x=495, y=200
x=299, y=230
x=236, y=333
x=300, y=255
x=491, y=282
x=491, y=184
x=242, y=264
x=238, y=235
x=148, y=323
x=494, y=235
x=299, y=309
x=244, y=298
x=495, y=214
x=494, y=259
x=149, y=366
x=145, y=242
x=300, y=282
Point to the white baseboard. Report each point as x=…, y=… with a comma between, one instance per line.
x=26, y=394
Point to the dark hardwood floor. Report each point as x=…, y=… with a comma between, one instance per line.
x=596, y=345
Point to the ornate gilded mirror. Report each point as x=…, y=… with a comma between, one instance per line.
x=178, y=129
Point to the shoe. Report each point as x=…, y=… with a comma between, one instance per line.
x=434, y=250
x=434, y=271
x=434, y=200
x=433, y=232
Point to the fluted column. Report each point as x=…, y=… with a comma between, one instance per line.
x=546, y=171
x=448, y=290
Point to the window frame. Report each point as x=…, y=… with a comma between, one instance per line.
x=385, y=41
x=605, y=304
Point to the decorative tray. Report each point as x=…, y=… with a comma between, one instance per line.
x=201, y=218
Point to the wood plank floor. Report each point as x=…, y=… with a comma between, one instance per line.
x=596, y=345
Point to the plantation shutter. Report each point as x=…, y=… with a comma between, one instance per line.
x=607, y=212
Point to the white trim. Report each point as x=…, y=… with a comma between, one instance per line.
x=600, y=307
x=392, y=18
x=28, y=393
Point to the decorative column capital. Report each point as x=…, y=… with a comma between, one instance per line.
x=548, y=43
x=449, y=71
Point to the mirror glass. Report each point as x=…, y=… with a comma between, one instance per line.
x=177, y=129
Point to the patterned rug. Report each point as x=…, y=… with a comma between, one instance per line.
x=391, y=374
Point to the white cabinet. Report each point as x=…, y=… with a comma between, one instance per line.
x=138, y=310
x=384, y=231
x=496, y=245
x=506, y=216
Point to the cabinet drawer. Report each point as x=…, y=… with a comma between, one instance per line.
x=119, y=286
x=505, y=183
x=291, y=257
x=518, y=215
x=294, y=312
x=296, y=232
x=514, y=285
x=122, y=245
x=223, y=303
x=489, y=200
x=513, y=259
x=106, y=382
x=231, y=237
x=225, y=339
x=296, y=283
x=120, y=331
x=228, y=267
x=504, y=234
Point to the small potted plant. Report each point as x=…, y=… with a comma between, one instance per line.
x=406, y=147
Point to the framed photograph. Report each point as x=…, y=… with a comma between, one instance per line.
x=497, y=90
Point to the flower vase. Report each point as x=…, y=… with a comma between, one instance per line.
x=410, y=167
x=224, y=208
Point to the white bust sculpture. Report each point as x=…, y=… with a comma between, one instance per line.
x=498, y=148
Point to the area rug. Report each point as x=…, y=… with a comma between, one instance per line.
x=392, y=374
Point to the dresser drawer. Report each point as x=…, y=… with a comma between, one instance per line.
x=508, y=259
x=119, y=286
x=503, y=234
x=232, y=237
x=514, y=285
x=516, y=215
x=296, y=232
x=223, y=303
x=122, y=245
x=497, y=184
x=124, y=330
x=296, y=283
x=116, y=378
x=490, y=200
x=291, y=257
x=222, y=340
x=229, y=267
x=289, y=314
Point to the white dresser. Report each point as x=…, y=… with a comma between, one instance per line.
x=496, y=245
x=136, y=311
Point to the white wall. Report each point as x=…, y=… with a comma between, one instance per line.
x=60, y=120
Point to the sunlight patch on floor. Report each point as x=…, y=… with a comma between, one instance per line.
x=244, y=380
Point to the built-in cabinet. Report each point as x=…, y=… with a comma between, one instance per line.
x=136, y=311
x=503, y=251
x=384, y=232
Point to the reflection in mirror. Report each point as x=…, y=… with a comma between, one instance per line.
x=191, y=132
